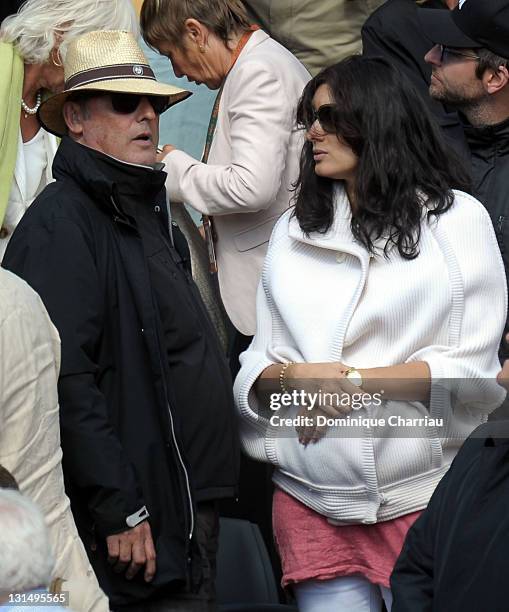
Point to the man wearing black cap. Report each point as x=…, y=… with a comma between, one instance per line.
x=455, y=556
x=470, y=71
x=394, y=32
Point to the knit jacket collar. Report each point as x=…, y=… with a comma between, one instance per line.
x=339, y=236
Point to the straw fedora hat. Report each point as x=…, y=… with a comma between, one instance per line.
x=105, y=61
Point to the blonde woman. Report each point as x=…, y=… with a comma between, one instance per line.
x=33, y=43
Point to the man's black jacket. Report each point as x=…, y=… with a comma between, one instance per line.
x=121, y=434
x=455, y=557
x=489, y=163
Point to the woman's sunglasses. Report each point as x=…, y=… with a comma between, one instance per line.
x=326, y=116
x=125, y=103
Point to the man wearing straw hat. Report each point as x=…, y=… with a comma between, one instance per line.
x=148, y=434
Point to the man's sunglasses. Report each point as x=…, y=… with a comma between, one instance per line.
x=125, y=103
x=446, y=52
x=326, y=116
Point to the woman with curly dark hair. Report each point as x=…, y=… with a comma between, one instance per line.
x=380, y=310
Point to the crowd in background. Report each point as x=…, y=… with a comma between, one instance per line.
x=303, y=324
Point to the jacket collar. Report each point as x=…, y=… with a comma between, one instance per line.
x=255, y=39
x=493, y=138
x=339, y=236
x=107, y=180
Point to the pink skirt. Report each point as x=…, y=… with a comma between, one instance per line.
x=310, y=548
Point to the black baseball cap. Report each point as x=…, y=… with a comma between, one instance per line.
x=472, y=24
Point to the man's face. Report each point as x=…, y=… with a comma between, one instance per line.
x=453, y=77
x=130, y=137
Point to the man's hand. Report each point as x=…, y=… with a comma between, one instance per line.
x=133, y=549
x=163, y=152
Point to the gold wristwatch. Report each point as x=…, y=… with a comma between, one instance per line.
x=354, y=376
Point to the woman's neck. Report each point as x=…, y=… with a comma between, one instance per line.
x=231, y=47
x=350, y=192
x=234, y=40
x=32, y=83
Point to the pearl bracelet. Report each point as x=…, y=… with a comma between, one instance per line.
x=284, y=390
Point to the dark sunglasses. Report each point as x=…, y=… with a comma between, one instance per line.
x=446, y=52
x=125, y=103
x=326, y=116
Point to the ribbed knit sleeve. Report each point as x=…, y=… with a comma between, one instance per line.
x=469, y=364
x=271, y=344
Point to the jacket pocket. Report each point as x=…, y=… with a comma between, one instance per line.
x=335, y=461
x=256, y=235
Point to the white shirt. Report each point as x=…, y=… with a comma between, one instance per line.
x=30, y=431
x=33, y=171
x=36, y=162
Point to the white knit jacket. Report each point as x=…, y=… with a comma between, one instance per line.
x=323, y=298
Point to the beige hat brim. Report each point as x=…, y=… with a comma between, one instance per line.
x=50, y=112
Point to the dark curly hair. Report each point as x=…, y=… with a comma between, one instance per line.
x=404, y=162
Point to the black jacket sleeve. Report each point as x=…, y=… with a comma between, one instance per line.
x=58, y=262
x=412, y=579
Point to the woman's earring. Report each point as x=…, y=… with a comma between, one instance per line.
x=56, y=63
x=202, y=49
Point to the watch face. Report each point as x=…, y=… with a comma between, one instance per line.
x=355, y=378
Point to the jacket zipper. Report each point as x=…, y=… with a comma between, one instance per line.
x=118, y=219
x=188, y=487
x=203, y=310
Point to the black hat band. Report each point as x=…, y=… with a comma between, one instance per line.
x=119, y=71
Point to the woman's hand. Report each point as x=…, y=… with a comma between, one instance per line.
x=310, y=430
x=322, y=388
x=162, y=152
x=329, y=393
x=324, y=384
